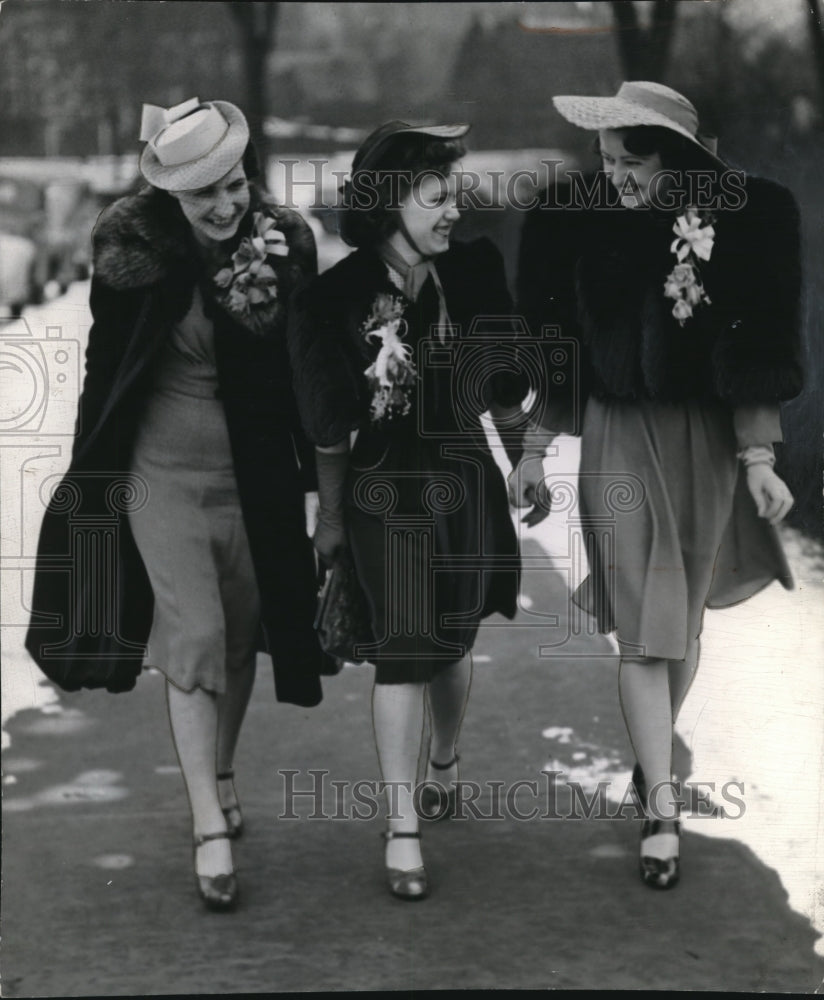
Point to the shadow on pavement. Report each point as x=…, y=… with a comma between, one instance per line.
x=99, y=896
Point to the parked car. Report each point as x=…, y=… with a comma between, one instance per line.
x=56, y=217
x=17, y=267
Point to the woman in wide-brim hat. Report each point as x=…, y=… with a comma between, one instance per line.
x=383, y=344
x=188, y=426
x=682, y=289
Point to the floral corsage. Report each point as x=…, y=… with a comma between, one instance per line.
x=694, y=241
x=392, y=374
x=248, y=288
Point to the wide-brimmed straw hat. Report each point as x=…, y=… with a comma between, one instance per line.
x=639, y=102
x=191, y=145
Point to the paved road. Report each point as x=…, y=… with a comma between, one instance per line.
x=99, y=897
x=98, y=893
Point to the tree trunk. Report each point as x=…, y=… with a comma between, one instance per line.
x=644, y=52
x=814, y=20
x=256, y=23
x=659, y=42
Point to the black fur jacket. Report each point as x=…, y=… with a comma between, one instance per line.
x=330, y=352
x=600, y=274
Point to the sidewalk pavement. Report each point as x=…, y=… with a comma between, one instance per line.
x=99, y=896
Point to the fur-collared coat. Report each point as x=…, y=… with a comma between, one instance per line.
x=92, y=601
x=599, y=274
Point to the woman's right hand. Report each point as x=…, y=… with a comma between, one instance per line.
x=527, y=488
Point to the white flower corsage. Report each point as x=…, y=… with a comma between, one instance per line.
x=695, y=238
x=251, y=282
x=392, y=374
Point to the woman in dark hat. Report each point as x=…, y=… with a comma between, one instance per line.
x=385, y=344
x=188, y=424
x=682, y=286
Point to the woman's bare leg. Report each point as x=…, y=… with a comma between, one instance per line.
x=447, y=693
x=645, y=702
x=681, y=676
x=193, y=718
x=397, y=715
x=231, y=710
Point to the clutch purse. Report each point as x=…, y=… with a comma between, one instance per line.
x=343, y=620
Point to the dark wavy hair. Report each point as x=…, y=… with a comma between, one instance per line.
x=677, y=152
x=372, y=198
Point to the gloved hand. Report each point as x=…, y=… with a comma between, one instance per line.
x=330, y=534
x=526, y=487
x=772, y=498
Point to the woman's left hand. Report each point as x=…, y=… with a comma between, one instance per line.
x=772, y=498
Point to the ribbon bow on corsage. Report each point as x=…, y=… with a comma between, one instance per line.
x=692, y=236
x=268, y=238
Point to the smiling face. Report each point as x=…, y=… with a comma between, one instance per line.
x=428, y=214
x=214, y=213
x=631, y=174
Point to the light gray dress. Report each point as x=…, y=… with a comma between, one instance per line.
x=190, y=533
x=670, y=524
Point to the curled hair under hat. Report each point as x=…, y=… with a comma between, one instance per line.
x=370, y=197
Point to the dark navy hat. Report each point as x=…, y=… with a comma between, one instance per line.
x=374, y=144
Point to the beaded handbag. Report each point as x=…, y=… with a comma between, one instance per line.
x=343, y=621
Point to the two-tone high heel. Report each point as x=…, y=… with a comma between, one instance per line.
x=660, y=865
x=412, y=884
x=218, y=892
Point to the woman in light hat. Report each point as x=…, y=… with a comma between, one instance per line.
x=378, y=343
x=683, y=290
x=188, y=423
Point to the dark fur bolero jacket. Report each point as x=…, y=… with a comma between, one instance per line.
x=330, y=354
x=600, y=275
